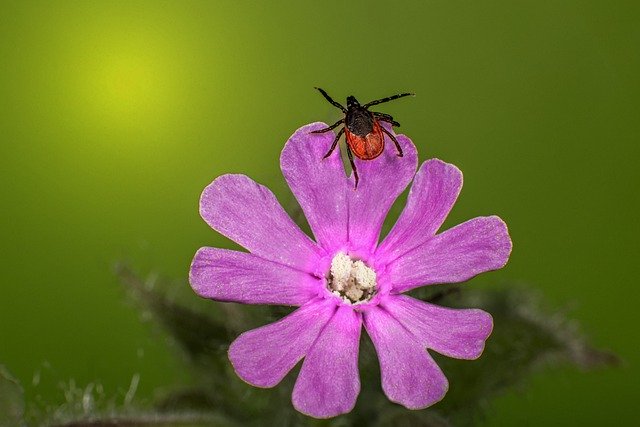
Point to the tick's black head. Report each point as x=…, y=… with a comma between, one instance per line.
x=352, y=102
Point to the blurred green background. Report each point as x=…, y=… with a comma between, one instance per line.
x=115, y=115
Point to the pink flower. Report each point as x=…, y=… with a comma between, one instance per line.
x=345, y=278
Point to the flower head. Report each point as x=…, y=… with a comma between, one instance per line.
x=346, y=278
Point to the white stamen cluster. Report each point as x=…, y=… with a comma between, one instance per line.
x=351, y=280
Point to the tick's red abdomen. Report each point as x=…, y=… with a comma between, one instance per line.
x=368, y=147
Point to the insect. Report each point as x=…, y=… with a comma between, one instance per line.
x=362, y=129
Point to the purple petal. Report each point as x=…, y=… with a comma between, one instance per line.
x=250, y=215
x=329, y=383
x=409, y=374
x=478, y=245
x=226, y=275
x=433, y=193
x=320, y=185
x=336, y=211
x=381, y=182
x=459, y=333
x=263, y=356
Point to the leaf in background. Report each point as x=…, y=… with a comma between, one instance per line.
x=11, y=400
x=204, y=339
x=400, y=417
x=151, y=420
x=201, y=336
x=524, y=338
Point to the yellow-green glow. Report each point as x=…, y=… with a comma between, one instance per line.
x=126, y=85
x=121, y=75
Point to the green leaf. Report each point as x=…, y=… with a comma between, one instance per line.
x=202, y=337
x=525, y=338
x=11, y=400
x=151, y=420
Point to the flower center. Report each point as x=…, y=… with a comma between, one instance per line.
x=351, y=280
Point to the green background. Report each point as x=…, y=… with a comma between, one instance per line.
x=115, y=115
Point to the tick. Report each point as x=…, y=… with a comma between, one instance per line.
x=362, y=129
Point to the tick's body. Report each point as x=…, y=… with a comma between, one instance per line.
x=366, y=145
x=362, y=129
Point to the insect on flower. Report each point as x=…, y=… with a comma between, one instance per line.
x=345, y=279
x=363, y=132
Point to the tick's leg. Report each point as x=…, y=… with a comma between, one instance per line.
x=333, y=126
x=334, y=103
x=353, y=166
x=335, y=142
x=395, y=141
x=386, y=118
x=387, y=99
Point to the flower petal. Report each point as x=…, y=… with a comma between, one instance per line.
x=478, y=245
x=433, y=193
x=225, y=275
x=250, y=215
x=320, y=185
x=459, y=333
x=329, y=383
x=409, y=374
x=381, y=182
x=337, y=212
x=263, y=356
